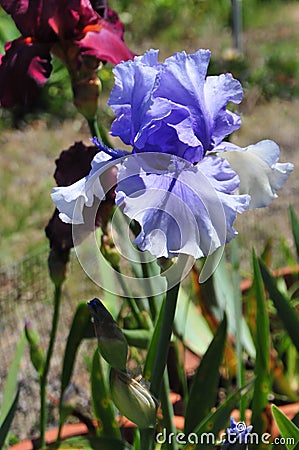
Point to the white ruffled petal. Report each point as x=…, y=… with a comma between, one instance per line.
x=261, y=176
x=71, y=200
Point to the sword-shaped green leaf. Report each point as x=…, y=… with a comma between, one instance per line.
x=207, y=431
x=5, y=426
x=286, y=312
x=262, y=362
x=289, y=431
x=203, y=391
x=295, y=228
x=11, y=383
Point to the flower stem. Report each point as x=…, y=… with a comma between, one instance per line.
x=98, y=131
x=44, y=376
x=147, y=436
x=140, y=319
x=167, y=410
x=163, y=344
x=237, y=303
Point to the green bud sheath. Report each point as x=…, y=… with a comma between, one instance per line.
x=37, y=354
x=111, y=340
x=132, y=399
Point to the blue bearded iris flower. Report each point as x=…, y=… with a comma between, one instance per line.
x=182, y=182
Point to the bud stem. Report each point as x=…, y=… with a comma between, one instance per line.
x=147, y=436
x=167, y=410
x=44, y=376
x=98, y=131
x=158, y=375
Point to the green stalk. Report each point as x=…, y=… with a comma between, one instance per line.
x=98, y=131
x=147, y=436
x=237, y=300
x=167, y=410
x=44, y=376
x=140, y=319
x=153, y=301
x=163, y=344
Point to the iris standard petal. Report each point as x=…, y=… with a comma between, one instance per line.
x=261, y=176
x=177, y=203
x=131, y=97
x=182, y=81
x=151, y=100
x=169, y=127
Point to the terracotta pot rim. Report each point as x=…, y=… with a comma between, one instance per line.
x=77, y=429
x=281, y=272
x=68, y=430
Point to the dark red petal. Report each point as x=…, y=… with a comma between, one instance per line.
x=59, y=234
x=44, y=20
x=31, y=17
x=100, y=6
x=23, y=70
x=74, y=163
x=116, y=24
x=70, y=17
x=105, y=45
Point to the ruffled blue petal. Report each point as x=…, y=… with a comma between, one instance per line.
x=218, y=91
x=181, y=208
x=71, y=200
x=172, y=107
x=131, y=96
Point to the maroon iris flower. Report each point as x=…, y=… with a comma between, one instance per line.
x=73, y=30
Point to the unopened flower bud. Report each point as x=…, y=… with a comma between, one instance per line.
x=37, y=354
x=86, y=95
x=132, y=399
x=109, y=251
x=111, y=340
x=57, y=263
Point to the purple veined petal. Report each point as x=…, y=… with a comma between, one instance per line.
x=71, y=200
x=150, y=58
x=184, y=81
x=261, y=176
x=177, y=205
